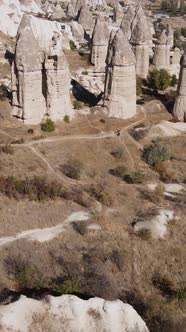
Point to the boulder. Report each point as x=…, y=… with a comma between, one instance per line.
x=70, y=313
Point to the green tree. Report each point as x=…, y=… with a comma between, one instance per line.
x=159, y=79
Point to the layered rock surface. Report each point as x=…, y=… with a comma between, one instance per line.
x=179, y=111
x=40, y=74
x=120, y=83
x=136, y=27
x=100, y=41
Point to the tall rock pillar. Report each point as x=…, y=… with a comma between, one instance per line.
x=179, y=110
x=120, y=82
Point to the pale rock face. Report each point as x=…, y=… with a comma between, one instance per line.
x=179, y=110
x=70, y=12
x=40, y=74
x=100, y=41
x=136, y=26
x=118, y=14
x=161, y=57
x=77, y=32
x=86, y=20
x=120, y=83
x=12, y=11
x=157, y=225
x=175, y=62
x=69, y=313
x=58, y=14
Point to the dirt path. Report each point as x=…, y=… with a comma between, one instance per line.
x=48, y=233
x=123, y=132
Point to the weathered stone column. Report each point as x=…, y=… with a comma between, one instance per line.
x=120, y=82
x=179, y=110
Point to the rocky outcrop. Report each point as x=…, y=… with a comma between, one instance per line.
x=86, y=20
x=118, y=14
x=120, y=83
x=161, y=57
x=70, y=313
x=40, y=73
x=179, y=111
x=100, y=41
x=136, y=27
x=12, y=11
x=58, y=14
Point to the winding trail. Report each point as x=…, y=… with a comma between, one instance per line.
x=51, y=168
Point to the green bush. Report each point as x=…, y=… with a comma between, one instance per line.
x=145, y=234
x=72, y=168
x=72, y=45
x=174, y=80
x=37, y=188
x=7, y=148
x=68, y=287
x=101, y=194
x=129, y=177
x=156, y=152
x=85, y=72
x=80, y=227
x=159, y=79
x=23, y=273
x=77, y=104
x=66, y=119
x=48, y=126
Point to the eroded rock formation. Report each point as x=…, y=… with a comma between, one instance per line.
x=120, y=83
x=40, y=73
x=180, y=104
x=100, y=41
x=136, y=27
x=161, y=57
x=70, y=313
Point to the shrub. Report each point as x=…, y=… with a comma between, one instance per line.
x=48, y=126
x=154, y=196
x=77, y=104
x=7, y=148
x=18, y=141
x=145, y=234
x=68, y=287
x=164, y=168
x=37, y=188
x=85, y=72
x=159, y=79
x=164, y=284
x=129, y=177
x=156, y=152
x=118, y=153
x=72, y=45
x=4, y=93
x=30, y=131
x=72, y=168
x=101, y=194
x=80, y=227
x=25, y=274
x=174, y=80
x=66, y=119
